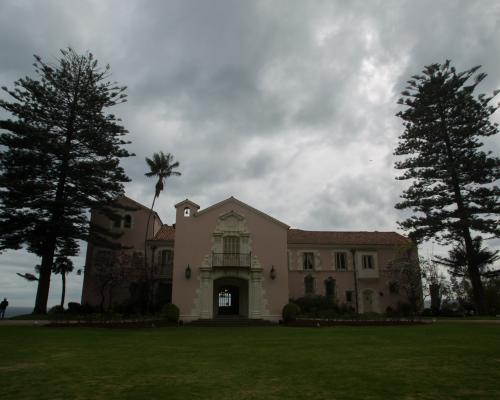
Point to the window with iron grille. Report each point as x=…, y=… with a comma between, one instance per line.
x=330, y=287
x=309, y=284
x=231, y=244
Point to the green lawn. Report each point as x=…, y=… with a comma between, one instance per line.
x=441, y=361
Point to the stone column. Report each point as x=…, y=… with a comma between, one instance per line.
x=255, y=294
x=206, y=293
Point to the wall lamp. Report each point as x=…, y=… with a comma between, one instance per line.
x=188, y=272
x=273, y=272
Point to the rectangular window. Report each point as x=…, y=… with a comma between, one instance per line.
x=231, y=251
x=308, y=261
x=348, y=296
x=330, y=288
x=127, y=221
x=341, y=261
x=309, y=284
x=166, y=261
x=231, y=244
x=368, y=262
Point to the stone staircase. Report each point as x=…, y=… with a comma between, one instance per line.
x=230, y=321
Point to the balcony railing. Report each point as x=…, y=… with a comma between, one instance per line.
x=241, y=260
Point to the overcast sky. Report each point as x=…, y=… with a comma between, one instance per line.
x=286, y=105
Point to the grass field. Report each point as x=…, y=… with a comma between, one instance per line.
x=441, y=361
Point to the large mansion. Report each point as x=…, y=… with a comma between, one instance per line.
x=232, y=259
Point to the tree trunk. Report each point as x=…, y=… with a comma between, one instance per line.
x=472, y=268
x=146, y=269
x=474, y=275
x=42, y=293
x=435, y=291
x=63, y=294
x=57, y=211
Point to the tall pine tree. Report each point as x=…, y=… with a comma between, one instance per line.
x=453, y=191
x=60, y=158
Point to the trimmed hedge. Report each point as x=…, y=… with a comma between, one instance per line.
x=170, y=312
x=290, y=312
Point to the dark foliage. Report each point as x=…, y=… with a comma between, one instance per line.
x=456, y=262
x=170, y=312
x=56, y=310
x=74, y=308
x=60, y=158
x=315, y=303
x=290, y=312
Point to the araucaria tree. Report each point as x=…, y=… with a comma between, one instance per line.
x=60, y=158
x=453, y=194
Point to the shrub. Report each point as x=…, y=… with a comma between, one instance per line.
x=170, y=312
x=87, y=309
x=290, y=312
x=74, y=308
x=315, y=303
x=428, y=312
x=56, y=310
x=405, y=309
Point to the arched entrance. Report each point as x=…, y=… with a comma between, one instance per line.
x=230, y=297
x=228, y=300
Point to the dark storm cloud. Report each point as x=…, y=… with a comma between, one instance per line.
x=288, y=105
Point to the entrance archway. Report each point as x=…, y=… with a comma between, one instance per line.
x=230, y=297
x=228, y=300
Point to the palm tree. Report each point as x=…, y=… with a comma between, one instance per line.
x=161, y=166
x=456, y=262
x=62, y=265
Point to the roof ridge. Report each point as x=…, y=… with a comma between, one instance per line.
x=245, y=205
x=323, y=231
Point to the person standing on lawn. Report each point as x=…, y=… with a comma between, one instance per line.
x=3, y=307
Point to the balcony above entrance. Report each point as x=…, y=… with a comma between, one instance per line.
x=231, y=260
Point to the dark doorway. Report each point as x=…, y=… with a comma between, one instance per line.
x=228, y=300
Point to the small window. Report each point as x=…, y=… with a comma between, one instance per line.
x=368, y=262
x=127, y=221
x=330, y=288
x=348, y=296
x=187, y=212
x=341, y=261
x=309, y=284
x=308, y=261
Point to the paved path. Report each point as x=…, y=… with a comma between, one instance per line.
x=470, y=321
x=22, y=322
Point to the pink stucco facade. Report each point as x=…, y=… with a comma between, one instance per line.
x=231, y=258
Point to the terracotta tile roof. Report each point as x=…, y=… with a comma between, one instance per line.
x=298, y=236
x=166, y=232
